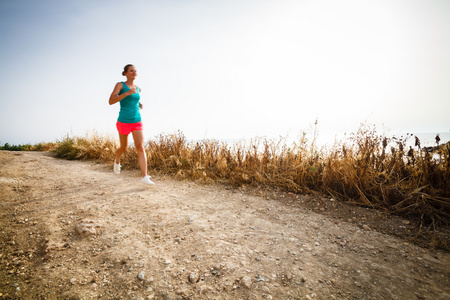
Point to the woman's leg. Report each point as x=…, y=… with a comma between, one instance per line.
x=123, y=147
x=138, y=137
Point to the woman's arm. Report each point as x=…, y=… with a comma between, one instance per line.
x=115, y=97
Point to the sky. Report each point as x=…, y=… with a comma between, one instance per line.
x=225, y=69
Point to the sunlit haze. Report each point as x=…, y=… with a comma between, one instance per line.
x=225, y=69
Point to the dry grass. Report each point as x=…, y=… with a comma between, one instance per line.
x=367, y=169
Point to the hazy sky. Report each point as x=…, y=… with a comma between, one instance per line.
x=225, y=69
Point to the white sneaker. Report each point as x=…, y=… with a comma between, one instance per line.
x=117, y=168
x=146, y=180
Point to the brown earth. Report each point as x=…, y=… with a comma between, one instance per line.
x=75, y=230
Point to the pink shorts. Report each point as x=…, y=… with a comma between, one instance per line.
x=126, y=128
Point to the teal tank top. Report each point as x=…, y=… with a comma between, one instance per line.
x=129, y=106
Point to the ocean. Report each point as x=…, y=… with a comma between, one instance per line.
x=429, y=139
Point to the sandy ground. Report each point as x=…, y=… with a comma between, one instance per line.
x=75, y=230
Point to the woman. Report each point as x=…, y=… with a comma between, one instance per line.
x=128, y=94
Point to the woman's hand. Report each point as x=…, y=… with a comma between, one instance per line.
x=132, y=91
x=115, y=97
x=140, y=105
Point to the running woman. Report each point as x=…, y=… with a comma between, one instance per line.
x=129, y=121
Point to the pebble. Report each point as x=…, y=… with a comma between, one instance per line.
x=289, y=276
x=204, y=289
x=366, y=227
x=246, y=282
x=194, y=277
x=141, y=275
x=86, y=229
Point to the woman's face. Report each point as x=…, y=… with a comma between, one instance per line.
x=131, y=72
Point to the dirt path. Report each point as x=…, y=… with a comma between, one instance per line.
x=75, y=230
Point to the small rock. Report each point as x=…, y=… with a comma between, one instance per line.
x=226, y=267
x=181, y=291
x=369, y=246
x=194, y=277
x=366, y=227
x=47, y=257
x=289, y=276
x=204, y=289
x=419, y=296
x=86, y=229
x=141, y=275
x=246, y=282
